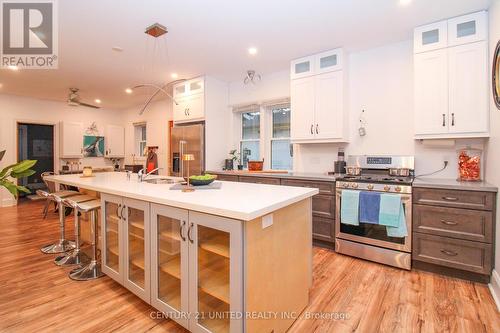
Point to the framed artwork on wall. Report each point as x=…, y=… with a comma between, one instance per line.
x=93, y=146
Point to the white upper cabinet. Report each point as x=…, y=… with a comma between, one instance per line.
x=328, y=61
x=451, y=79
x=115, y=141
x=468, y=88
x=430, y=37
x=71, y=139
x=190, y=98
x=302, y=99
x=328, y=108
x=468, y=28
x=431, y=92
x=302, y=67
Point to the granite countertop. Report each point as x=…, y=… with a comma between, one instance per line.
x=290, y=175
x=240, y=201
x=453, y=184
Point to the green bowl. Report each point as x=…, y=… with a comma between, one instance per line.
x=201, y=182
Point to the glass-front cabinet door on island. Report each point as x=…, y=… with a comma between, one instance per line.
x=125, y=243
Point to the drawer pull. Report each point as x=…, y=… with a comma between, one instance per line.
x=450, y=198
x=449, y=253
x=449, y=222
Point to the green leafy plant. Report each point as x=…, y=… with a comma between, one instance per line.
x=18, y=170
x=234, y=155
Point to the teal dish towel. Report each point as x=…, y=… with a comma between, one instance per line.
x=389, y=213
x=401, y=230
x=349, y=207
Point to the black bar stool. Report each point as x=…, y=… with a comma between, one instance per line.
x=74, y=257
x=63, y=244
x=93, y=269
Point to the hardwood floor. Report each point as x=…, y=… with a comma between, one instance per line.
x=359, y=296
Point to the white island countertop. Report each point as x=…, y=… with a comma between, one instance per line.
x=241, y=201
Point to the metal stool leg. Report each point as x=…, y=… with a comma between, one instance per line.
x=63, y=244
x=75, y=257
x=93, y=269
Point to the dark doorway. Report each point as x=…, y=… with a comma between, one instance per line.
x=35, y=142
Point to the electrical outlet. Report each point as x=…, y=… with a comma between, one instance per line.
x=267, y=221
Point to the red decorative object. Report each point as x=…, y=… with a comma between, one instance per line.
x=469, y=165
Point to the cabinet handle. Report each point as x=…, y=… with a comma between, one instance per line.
x=450, y=198
x=181, y=228
x=121, y=212
x=449, y=253
x=118, y=210
x=189, y=232
x=444, y=120
x=312, y=126
x=317, y=129
x=188, y=111
x=452, y=119
x=449, y=222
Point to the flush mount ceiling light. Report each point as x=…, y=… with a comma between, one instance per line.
x=404, y=2
x=252, y=77
x=156, y=31
x=97, y=100
x=128, y=91
x=252, y=51
x=117, y=49
x=174, y=76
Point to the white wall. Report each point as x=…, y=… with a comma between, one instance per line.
x=15, y=109
x=493, y=158
x=156, y=117
x=380, y=81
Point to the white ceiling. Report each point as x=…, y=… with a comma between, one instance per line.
x=210, y=37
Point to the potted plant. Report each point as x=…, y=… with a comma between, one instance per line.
x=233, y=157
x=16, y=171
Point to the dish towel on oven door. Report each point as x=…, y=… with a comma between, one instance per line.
x=369, y=207
x=349, y=208
x=392, y=215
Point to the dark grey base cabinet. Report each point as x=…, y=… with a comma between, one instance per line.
x=323, y=204
x=453, y=232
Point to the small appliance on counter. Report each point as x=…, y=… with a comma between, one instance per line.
x=255, y=165
x=339, y=165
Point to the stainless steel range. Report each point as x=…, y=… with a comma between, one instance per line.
x=387, y=174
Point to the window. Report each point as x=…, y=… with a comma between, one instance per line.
x=140, y=139
x=281, y=148
x=250, y=137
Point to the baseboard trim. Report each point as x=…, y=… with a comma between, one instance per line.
x=494, y=286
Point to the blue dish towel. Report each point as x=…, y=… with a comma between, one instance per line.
x=349, y=207
x=369, y=206
x=389, y=214
x=400, y=230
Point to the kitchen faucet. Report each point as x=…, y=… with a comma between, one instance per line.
x=141, y=175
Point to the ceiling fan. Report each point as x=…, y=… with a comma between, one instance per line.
x=74, y=99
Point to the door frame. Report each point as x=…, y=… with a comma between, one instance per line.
x=55, y=146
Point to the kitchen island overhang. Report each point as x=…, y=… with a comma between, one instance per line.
x=244, y=250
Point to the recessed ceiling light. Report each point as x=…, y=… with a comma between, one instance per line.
x=97, y=100
x=174, y=75
x=13, y=68
x=404, y=2
x=1, y=85
x=128, y=91
x=252, y=51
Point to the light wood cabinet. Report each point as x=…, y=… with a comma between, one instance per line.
x=451, y=78
x=71, y=139
x=197, y=268
x=126, y=243
x=115, y=141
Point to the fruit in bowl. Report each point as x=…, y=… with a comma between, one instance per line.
x=202, y=180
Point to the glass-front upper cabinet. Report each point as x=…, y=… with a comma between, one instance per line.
x=169, y=259
x=328, y=61
x=468, y=28
x=111, y=228
x=137, y=247
x=216, y=273
x=430, y=37
x=302, y=67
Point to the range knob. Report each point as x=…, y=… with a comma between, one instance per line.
x=398, y=188
x=387, y=188
x=354, y=185
x=345, y=185
x=370, y=187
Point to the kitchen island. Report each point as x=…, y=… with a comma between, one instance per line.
x=233, y=259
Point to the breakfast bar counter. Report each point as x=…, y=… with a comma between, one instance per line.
x=213, y=260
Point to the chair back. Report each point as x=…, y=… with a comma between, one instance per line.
x=50, y=184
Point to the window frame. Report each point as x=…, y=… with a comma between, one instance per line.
x=271, y=138
x=259, y=140
x=140, y=138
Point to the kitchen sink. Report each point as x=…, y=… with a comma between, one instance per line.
x=160, y=181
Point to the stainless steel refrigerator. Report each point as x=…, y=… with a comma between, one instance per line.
x=187, y=139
